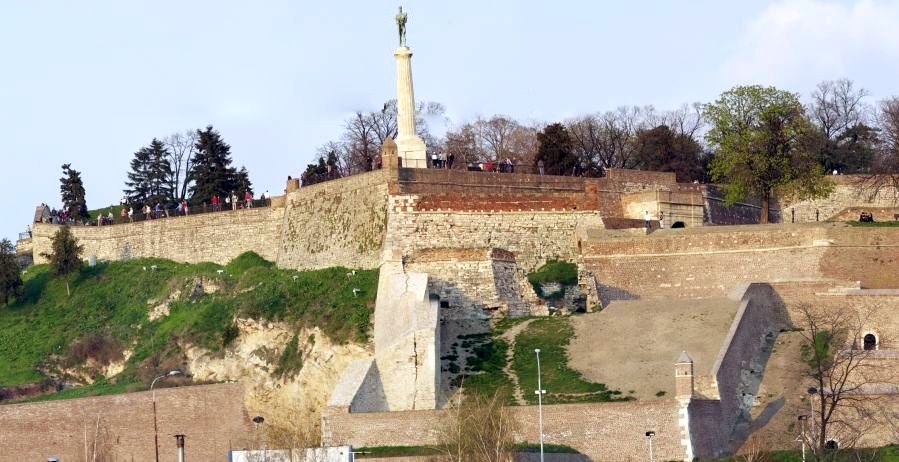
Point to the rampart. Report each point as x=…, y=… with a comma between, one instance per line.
x=211, y=416
x=602, y=431
x=849, y=191
x=711, y=261
x=214, y=237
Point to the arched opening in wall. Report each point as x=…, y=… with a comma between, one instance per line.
x=870, y=342
x=832, y=445
x=444, y=303
x=678, y=224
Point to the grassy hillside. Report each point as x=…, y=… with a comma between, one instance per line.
x=45, y=331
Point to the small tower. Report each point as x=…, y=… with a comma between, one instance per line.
x=683, y=377
x=389, y=157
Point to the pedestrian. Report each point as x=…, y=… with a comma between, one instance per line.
x=647, y=218
x=130, y=214
x=28, y=230
x=449, y=160
x=234, y=200
x=215, y=201
x=109, y=217
x=540, y=165
x=489, y=166
x=661, y=220
x=123, y=213
x=434, y=160
x=248, y=198
x=378, y=161
x=184, y=207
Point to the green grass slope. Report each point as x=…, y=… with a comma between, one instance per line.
x=45, y=331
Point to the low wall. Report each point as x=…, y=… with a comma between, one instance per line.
x=211, y=416
x=214, y=237
x=601, y=431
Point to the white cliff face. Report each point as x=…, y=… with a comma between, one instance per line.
x=253, y=358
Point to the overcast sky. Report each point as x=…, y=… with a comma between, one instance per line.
x=91, y=82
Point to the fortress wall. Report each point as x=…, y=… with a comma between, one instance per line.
x=602, y=431
x=847, y=193
x=533, y=237
x=211, y=416
x=741, y=213
x=867, y=255
x=214, y=237
x=335, y=223
x=703, y=262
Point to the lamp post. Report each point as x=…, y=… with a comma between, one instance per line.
x=540, y=392
x=649, y=436
x=259, y=420
x=812, y=391
x=802, y=420
x=168, y=374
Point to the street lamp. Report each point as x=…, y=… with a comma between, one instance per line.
x=802, y=420
x=540, y=392
x=259, y=420
x=168, y=374
x=812, y=391
x=649, y=436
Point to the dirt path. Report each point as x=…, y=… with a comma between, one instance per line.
x=509, y=336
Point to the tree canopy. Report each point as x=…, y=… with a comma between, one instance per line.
x=211, y=172
x=71, y=188
x=662, y=150
x=65, y=256
x=765, y=146
x=150, y=178
x=10, y=277
x=555, y=150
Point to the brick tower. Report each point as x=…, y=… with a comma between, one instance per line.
x=683, y=377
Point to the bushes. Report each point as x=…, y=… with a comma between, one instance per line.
x=553, y=272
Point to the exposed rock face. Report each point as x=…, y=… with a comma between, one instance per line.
x=253, y=358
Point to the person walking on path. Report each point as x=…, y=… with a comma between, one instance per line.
x=248, y=200
x=661, y=220
x=540, y=166
x=647, y=218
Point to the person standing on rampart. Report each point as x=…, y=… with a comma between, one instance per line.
x=647, y=218
x=540, y=166
x=215, y=203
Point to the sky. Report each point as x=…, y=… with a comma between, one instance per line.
x=89, y=83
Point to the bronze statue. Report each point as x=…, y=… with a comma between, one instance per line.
x=401, y=22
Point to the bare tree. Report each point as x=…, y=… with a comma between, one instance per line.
x=685, y=120
x=838, y=105
x=496, y=132
x=884, y=179
x=478, y=429
x=845, y=381
x=181, y=149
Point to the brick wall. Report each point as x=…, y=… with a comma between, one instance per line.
x=212, y=417
x=216, y=237
x=602, y=431
x=336, y=223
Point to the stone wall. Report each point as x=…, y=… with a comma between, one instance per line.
x=336, y=223
x=602, y=431
x=702, y=262
x=848, y=192
x=533, y=237
x=213, y=237
x=747, y=212
x=211, y=416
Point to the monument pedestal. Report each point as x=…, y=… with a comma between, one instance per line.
x=410, y=147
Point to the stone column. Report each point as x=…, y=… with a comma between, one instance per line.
x=410, y=147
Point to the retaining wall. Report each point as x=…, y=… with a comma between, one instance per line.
x=601, y=431
x=211, y=416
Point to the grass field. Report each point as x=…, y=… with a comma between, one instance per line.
x=108, y=309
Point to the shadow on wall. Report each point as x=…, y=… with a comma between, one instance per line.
x=719, y=427
x=609, y=293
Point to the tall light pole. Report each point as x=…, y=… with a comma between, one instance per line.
x=168, y=374
x=540, y=392
x=259, y=420
x=649, y=436
x=802, y=420
x=812, y=391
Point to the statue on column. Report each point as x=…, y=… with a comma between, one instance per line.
x=401, y=22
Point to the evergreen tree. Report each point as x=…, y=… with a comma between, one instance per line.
x=211, y=171
x=138, y=184
x=556, y=150
x=65, y=258
x=243, y=183
x=71, y=189
x=10, y=279
x=149, y=181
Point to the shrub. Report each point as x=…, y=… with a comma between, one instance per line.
x=554, y=271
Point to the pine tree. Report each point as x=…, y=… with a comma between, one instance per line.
x=243, y=182
x=65, y=258
x=71, y=189
x=556, y=150
x=10, y=277
x=211, y=171
x=149, y=181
